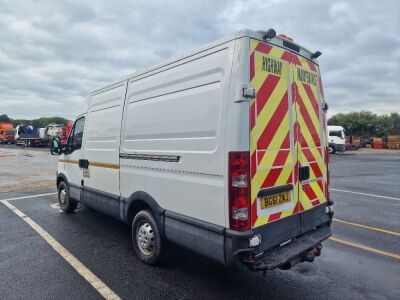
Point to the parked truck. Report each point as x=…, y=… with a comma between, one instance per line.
x=28, y=136
x=6, y=133
x=336, y=139
x=222, y=150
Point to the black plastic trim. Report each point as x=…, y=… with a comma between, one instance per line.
x=290, y=45
x=275, y=190
x=202, y=237
x=195, y=222
x=168, y=158
x=101, y=201
x=293, y=251
x=136, y=198
x=64, y=178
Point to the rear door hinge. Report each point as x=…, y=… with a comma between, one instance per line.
x=248, y=92
x=244, y=92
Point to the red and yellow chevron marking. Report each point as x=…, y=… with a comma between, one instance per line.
x=270, y=120
x=282, y=128
x=311, y=136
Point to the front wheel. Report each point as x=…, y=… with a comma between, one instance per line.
x=332, y=149
x=146, y=238
x=67, y=204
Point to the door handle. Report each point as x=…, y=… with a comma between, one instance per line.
x=304, y=173
x=83, y=163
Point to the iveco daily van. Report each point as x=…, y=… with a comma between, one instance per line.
x=222, y=150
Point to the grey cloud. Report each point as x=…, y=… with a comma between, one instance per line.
x=52, y=53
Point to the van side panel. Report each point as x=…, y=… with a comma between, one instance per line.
x=101, y=148
x=173, y=135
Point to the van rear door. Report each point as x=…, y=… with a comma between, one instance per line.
x=287, y=140
x=273, y=153
x=311, y=141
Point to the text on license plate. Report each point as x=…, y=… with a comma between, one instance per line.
x=275, y=199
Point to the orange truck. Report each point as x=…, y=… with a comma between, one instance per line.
x=7, y=133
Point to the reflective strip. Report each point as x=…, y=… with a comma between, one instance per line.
x=69, y=161
x=104, y=165
x=285, y=134
x=92, y=164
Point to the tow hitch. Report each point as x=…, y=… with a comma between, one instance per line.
x=308, y=256
x=302, y=248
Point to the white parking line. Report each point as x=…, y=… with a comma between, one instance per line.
x=92, y=279
x=365, y=194
x=32, y=196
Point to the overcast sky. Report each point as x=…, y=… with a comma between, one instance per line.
x=53, y=52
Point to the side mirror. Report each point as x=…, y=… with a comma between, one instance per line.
x=55, y=148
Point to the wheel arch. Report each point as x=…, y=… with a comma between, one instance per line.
x=61, y=177
x=141, y=200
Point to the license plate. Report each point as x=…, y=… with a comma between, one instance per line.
x=275, y=199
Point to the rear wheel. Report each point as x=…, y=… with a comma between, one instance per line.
x=146, y=237
x=67, y=204
x=332, y=149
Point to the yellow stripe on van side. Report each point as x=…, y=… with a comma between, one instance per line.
x=104, y=165
x=92, y=164
x=69, y=161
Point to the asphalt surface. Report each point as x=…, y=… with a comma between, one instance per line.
x=30, y=268
x=22, y=168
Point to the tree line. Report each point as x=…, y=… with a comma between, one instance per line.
x=363, y=123
x=367, y=124
x=36, y=123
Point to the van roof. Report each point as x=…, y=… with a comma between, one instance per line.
x=333, y=127
x=278, y=41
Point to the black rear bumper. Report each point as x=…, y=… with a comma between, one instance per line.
x=298, y=233
x=292, y=252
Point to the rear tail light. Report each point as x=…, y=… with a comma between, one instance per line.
x=239, y=190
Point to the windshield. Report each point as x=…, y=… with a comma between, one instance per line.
x=337, y=133
x=9, y=132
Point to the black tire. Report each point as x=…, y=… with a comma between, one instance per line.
x=146, y=238
x=332, y=149
x=67, y=204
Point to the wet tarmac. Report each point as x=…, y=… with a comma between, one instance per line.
x=362, y=261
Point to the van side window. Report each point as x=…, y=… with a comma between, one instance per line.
x=77, y=135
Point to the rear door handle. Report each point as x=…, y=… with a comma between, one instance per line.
x=83, y=163
x=304, y=173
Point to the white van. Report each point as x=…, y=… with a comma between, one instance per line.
x=222, y=150
x=337, y=139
